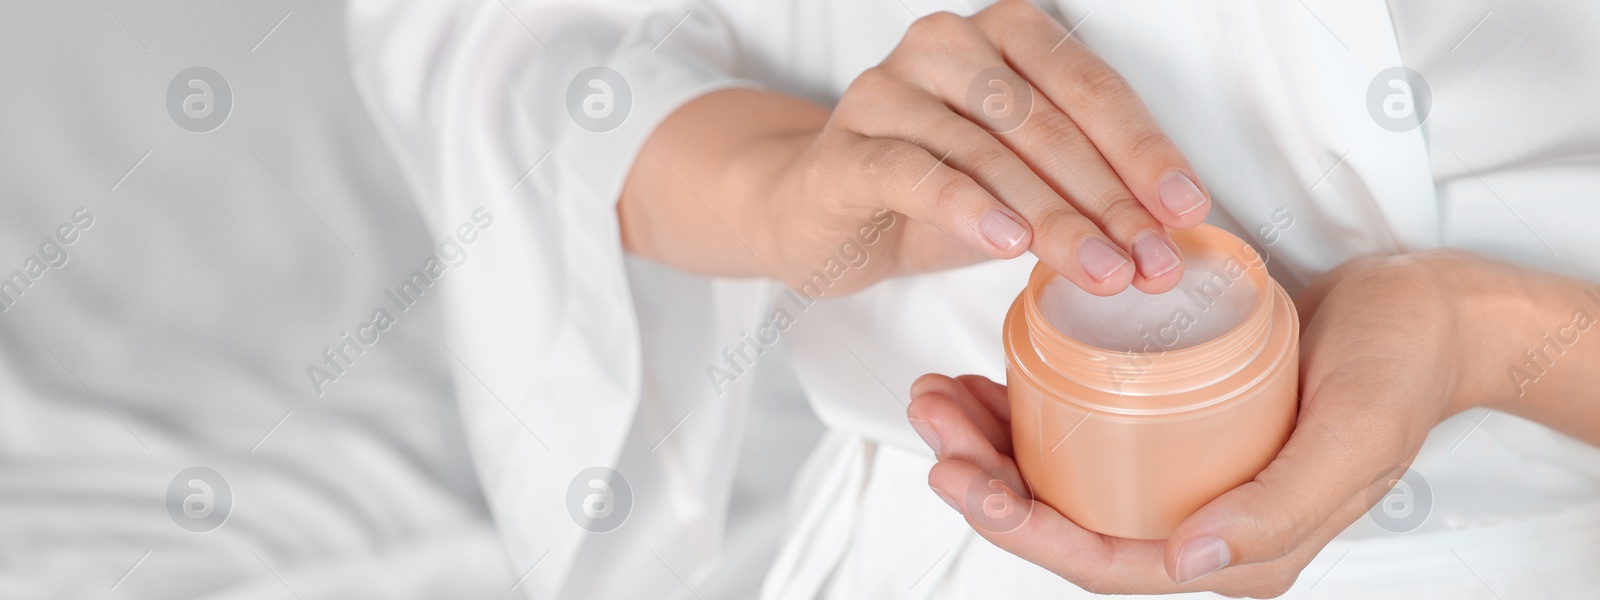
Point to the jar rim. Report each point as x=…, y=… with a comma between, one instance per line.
x=1151, y=381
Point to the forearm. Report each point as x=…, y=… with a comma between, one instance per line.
x=1534, y=350
x=698, y=195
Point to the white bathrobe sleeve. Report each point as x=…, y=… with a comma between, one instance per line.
x=475, y=99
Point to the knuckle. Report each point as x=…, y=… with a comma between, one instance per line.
x=941, y=21
x=990, y=159
x=948, y=193
x=1122, y=210
x=939, y=29
x=1148, y=144
x=1060, y=223
x=1057, y=132
x=1099, y=83
x=884, y=158
x=1013, y=8
x=871, y=83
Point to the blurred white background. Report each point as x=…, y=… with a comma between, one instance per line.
x=218, y=266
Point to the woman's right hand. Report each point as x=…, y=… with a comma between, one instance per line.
x=993, y=134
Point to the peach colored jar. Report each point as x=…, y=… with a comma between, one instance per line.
x=1131, y=443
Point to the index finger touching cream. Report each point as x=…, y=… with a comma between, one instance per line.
x=1130, y=412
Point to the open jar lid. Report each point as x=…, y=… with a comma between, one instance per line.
x=1225, y=325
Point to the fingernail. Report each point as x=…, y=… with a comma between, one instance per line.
x=1002, y=230
x=928, y=436
x=1179, y=193
x=1155, y=255
x=946, y=498
x=1099, y=258
x=1202, y=556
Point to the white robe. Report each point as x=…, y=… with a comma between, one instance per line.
x=606, y=357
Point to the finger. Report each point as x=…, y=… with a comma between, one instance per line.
x=1310, y=480
x=1254, y=577
x=991, y=394
x=1104, y=105
x=1052, y=146
x=905, y=178
x=1098, y=563
x=1055, y=147
x=980, y=87
x=959, y=420
x=1037, y=533
x=1274, y=578
x=1063, y=238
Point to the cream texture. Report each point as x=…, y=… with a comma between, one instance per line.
x=1212, y=298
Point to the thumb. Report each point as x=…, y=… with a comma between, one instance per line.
x=1315, y=479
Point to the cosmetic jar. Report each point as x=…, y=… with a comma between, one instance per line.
x=1130, y=412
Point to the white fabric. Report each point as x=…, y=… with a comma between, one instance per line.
x=550, y=318
x=1268, y=99
x=178, y=332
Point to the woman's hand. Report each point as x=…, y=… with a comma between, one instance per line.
x=1392, y=346
x=994, y=134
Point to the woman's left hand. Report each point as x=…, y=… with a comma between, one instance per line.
x=1385, y=356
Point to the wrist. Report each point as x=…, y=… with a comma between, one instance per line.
x=1509, y=321
x=697, y=197
x=770, y=172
